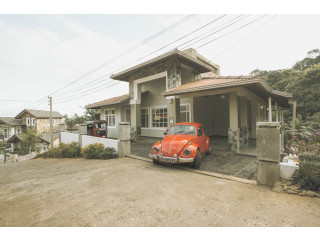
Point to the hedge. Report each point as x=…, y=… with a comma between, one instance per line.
x=308, y=175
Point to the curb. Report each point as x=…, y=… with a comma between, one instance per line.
x=211, y=174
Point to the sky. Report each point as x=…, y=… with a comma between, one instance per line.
x=70, y=57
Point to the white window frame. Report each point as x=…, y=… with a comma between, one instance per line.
x=189, y=105
x=105, y=115
x=150, y=121
x=18, y=127
x=148, y=111
x=28, y=122
x=33, y=121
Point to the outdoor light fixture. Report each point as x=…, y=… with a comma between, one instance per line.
x=222, y=96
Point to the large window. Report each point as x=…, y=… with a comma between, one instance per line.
x=185, y=113
x=159, y=117
x=144, y=117
x=111, y=117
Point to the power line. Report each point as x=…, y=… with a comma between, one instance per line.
x=231, y=31
x=86, y=84
x=14, y=100
x=236, y=43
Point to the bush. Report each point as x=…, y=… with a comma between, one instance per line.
x=72, y=150
x=93, y=151
x=108, y=153
x=308, y=176
x=309, y=157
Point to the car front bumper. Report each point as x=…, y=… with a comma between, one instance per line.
x=171, y=159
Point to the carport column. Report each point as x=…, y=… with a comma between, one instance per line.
x=233, y=131
x=244, y=133
x=135, y=120
x=62, y=128
x=268, y=153
x=270, y=110
x=173, y=106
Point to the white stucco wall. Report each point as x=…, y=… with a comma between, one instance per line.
x=86, y=140
x=67, y=137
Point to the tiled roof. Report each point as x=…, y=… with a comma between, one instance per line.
x=206, y=66
x=40, y=113
x=18, y=138
x=11, y=121
x=109, y=101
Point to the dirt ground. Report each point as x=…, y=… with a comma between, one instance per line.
x=129, y=192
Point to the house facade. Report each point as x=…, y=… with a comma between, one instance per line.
x=183, y=86
x=10, y=126
x=40, y=120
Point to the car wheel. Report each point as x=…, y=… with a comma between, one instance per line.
x=197, y=160
x=209, y=151
x=155, y=162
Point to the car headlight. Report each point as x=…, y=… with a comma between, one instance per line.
x=155, y=149
x=187, y=152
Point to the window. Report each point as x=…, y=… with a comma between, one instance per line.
x=111, y=117
x=128, y=115
x=33, y=121
x=18, y=129
x=200, y=131
x=159, y=117
x=5, y=132
x=144, y=117
x=182, y=129
x=185, y=113
x=53, y=121
x=28, y=121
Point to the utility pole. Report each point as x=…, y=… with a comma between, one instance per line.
x=51, y=125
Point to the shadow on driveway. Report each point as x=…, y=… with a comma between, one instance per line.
x=220, y=161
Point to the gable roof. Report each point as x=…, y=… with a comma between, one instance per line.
x=11, y=121
x=39, y=113
x=194, y=59
x=109, y=101
x=253, y=83
x=18, y=138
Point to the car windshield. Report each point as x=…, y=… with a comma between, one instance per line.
x=101, y=125
x=182, y=129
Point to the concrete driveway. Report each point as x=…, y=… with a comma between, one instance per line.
x=128, y=192
x=220, y=161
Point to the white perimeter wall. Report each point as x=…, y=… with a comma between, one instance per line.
x=86, y=140
x=67, y=137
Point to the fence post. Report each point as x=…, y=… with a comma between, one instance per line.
x=268, y=152
x=124, y=148
x=82, y=128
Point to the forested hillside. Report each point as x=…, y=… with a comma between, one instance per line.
x=303, y=80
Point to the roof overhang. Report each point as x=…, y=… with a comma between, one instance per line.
x=254, y=84
x=18, y=138
x=107, y=102
x=186, y=58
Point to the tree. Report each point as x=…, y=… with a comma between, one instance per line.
x=73, y=120
x=92, y=114
x=29, y=142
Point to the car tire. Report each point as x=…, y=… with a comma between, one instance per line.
x=155, y=162
x=197, y=160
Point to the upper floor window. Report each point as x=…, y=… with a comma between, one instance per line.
x=33, y=121
x=111, y=117
x=18, y=129
x=28, y=121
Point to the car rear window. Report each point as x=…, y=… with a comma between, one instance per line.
x=182, y=129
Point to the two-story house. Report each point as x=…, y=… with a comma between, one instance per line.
x=183, y=86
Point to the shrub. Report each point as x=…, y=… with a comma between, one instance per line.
x=71, y=150
x=108, y=153
x=309, y=157
x=93, y=151
x=308, y=175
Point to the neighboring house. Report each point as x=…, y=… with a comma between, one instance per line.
x=183, y=86
x=40, y=119
x=16, y=139
x=10, y=126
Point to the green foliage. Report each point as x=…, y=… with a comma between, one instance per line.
x=97, y=151
x=308, y=175
x=93, y=151
x=92, y=114
x=29, y=142
x=108, y=153
x=73, y=120
x=303, y=80
x=309, y=157
x=72, y=150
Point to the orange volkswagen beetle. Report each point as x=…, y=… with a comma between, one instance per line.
x=185, y=142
